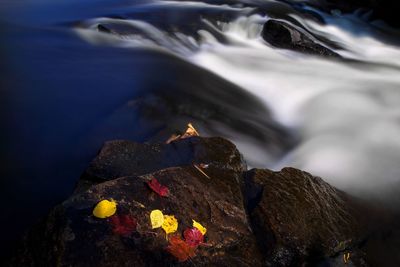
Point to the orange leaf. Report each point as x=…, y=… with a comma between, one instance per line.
x=180, y=249
x=190, y=131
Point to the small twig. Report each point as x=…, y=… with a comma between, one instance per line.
x=173, y=137
x=149, y=233
x=139, y=204
x=200, y=170
x=346, y=257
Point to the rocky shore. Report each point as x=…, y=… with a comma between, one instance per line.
x=253, y=217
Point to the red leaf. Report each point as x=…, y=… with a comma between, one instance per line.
x=193, y=237
x=180, y=249
x=123, y=224
x=157, y=187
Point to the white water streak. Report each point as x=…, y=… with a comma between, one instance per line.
x=348, y=114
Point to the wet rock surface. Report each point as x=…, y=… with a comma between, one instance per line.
x=253, y=218
x=299, y=217
x=125, y=158
x=77, y=238
x=282, y=35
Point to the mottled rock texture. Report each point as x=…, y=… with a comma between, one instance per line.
x=298, y=217
x=123, y=158
x=253, y=218
x=282, y=35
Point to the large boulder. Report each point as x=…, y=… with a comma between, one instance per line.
x=299, y=218
x=207, y=188
x=72, y=236
x=253, y=218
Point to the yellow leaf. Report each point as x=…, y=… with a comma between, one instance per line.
x=190, y=131
x=156, y=218
x=201, y=228
x=105, y=208
x=170, y=224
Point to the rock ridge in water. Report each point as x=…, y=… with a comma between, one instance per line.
x=253, y=218
x=282, y=35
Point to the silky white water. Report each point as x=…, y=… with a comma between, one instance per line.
x=346, y=113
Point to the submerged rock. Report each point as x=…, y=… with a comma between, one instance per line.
x=282, y=35
x=253, y=218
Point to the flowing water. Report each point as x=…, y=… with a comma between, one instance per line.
x=79, y=73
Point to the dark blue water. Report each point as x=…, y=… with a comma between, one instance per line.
x=61, y=98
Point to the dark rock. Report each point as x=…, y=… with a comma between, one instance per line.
x=72, y=236
x=119, y=28
x=102, y=28
x=298, y=218
x=126, y=158
x=254, y=218
x=282, y=35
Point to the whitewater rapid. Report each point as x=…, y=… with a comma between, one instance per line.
x=344, y=112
